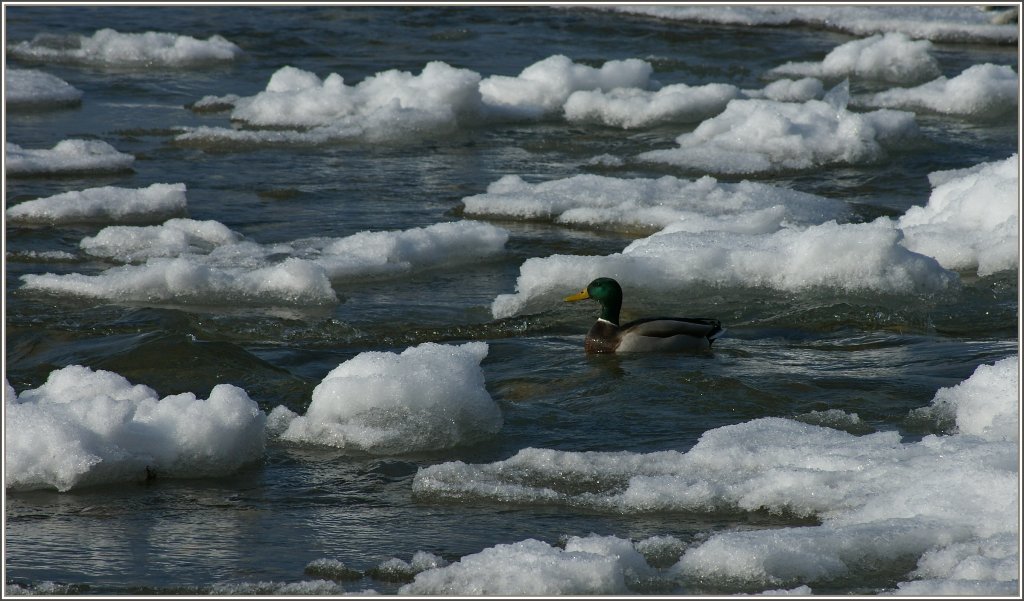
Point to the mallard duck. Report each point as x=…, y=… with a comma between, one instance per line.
x=641, y=335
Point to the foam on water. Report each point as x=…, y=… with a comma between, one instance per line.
x=950, y=501
x=87, y=427
x=763, y=136
x=948, y=23
x=849, y=257
x=103, y=205
x=971, y=220
x=428, y=397
x=204, y=262
x=653, y=204
x=29, y=88
x=110, y=48
x=892, y=57
x=980, y=91
x=67, y=156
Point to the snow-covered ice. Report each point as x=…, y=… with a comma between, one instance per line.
x=980, y=91
x=67, y=156
x=106, y=204
x=892, y=57
x=34, y=89
x=111, y=48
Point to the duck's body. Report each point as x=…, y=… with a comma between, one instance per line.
x=652, y=334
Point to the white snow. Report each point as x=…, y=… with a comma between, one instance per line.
x=971, y=220
x=204, y=262
x=951, y=501
x=763, y=136
x=103, y=205
x=980, y=91
x=87, y=427
x=653, y=204
x=945, y=23
x=891, y=57
x=33, y=89
x=67, y=156
x=428, y=397
x=108, y=47
x=631, y=108
x=848, y=257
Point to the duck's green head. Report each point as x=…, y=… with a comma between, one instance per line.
x=607, y=292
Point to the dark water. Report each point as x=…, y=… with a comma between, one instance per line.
x=786, y=354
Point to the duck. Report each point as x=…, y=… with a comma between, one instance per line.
x=649, y=334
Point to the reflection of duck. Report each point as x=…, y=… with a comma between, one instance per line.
x=648, y=334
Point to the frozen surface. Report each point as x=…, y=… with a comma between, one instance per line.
x=87, y=427
x=68, y=156
x=763, y=136
x=204, y=262
x=950, y=501
x=428, y=397
x=110, y=48
x=891, y=57
x=980, y=91
x=947, y=23
x=103, y=205
x=971, y=220
x=653, y=204
x=33, y=89
x=850, y=257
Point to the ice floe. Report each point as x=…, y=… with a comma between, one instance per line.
x=428, y=397
x=650, y=205
x=948, y=23
x=971, y=220
x=762, y=136
x=103, y=205
x=892, y=57
x=950, y=501
x=790, y=90
x=67, y=156
x=206, y=263
x=544, y=87
x=848, y=257
x=110, y=48
x=980, y=91
x=32, y=89
x=631, y=108
x=86, y=427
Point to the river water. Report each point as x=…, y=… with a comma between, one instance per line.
x=847, y=351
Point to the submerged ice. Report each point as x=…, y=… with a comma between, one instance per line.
x=951, y=501
x=428, y=397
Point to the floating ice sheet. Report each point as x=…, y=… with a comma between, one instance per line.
x=763, y=136
x=103, y=205
x=850, y=257
x=204, y=262
x=971, y=220
x=68, y=156
x=951, y=501
x=947, y=23
x=892, y=57
x=87, y=427
x=32, y=89
x=110, y=48
x=631, y=108
x=653, y=204
x=980, y=91
x=428, y=397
